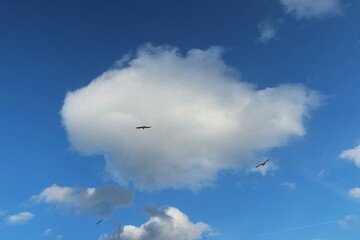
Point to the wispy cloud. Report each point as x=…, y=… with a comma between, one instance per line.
x=267, y=31
x=204, y=118
x=306, y=9
x=352, y=155
x=102, y=201
x=166, y=223
x=19, y=219
x=289, y=185
x=2, y=212
x=341, y=222
x=322, y=173
x=349, y=221
x=47, y=232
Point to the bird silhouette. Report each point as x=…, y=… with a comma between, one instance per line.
x=262, y=164
x=99, y=221
x=143, y=127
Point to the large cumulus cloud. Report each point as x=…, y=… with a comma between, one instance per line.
x=204, y=118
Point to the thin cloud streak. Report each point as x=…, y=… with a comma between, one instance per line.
x=299, y=228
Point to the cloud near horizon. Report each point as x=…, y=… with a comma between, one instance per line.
x=307, y=9
x=101, y=201
x=204, y=118
x=166, y=223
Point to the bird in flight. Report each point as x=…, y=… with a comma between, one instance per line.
x=143, y=127
x=99, y=221
x=262, y=164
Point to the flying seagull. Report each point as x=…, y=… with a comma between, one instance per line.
x=262, y=164
x=99, y=221
x=143, y=127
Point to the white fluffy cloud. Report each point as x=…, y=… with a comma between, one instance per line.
x=204, y=118
x=354, y=193
x=352, y=155
x=167, y=223
x=102, y=201
x=20, y=218
x=267, y=31
x=312, y=8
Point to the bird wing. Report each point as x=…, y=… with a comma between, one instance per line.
x=258, y=165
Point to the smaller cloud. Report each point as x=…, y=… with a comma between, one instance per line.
x=102, y=201
x=354, y=193
x=352, y=155
x=165, y=223
x=47, y=232
x=19, y=219
x=349, y=220
x=306, y=9
x=267, y=31
x=289, y=185
x=59, y=237
x=264, y=170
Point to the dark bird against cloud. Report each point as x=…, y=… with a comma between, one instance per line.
x=143, y=127
x=262, y=164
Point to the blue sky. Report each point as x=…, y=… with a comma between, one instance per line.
x=224, y=85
